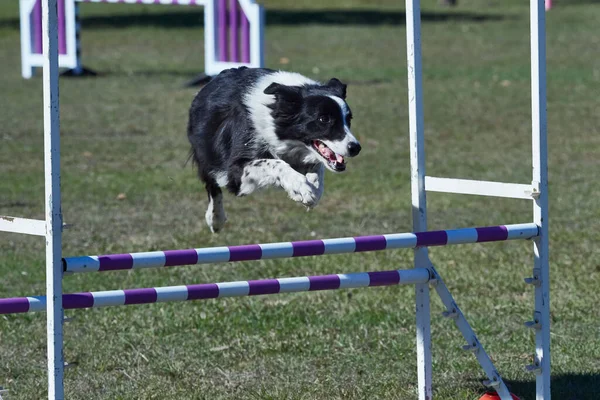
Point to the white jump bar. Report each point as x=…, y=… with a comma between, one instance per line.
x=22, y=225
x=481, y=188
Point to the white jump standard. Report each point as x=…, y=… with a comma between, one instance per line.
x=422, y=275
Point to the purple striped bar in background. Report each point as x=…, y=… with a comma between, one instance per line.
x=36, y=22
x=305, y=248
x=222, y=32
x=62, y=36
x=245, y=37
x=216, y=290
x=234, y=35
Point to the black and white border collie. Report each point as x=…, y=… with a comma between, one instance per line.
x=252, y=127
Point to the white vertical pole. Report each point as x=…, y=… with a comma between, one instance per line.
x=423, y=340
x=257, y=37
x=210, y=38
x=54, y=308
x=78, y=68
x=540, y=207
x=25, y=7
x=72, y=36
x=419, y=205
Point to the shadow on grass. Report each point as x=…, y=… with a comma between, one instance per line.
x=369, y=17
x=564, y=387
x=183, y=73
x=274, y=17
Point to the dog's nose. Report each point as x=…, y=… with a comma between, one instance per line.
x=353, y=148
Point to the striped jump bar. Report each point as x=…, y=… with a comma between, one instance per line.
x=217, y=290
x=170, y=258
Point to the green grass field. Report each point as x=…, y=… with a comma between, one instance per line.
x=126, y=188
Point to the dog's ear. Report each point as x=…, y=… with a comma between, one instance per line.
x=290, y=94
x=338, y=87
x=288, y=99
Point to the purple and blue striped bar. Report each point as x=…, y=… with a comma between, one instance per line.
x=217, y=290
x=305, y=248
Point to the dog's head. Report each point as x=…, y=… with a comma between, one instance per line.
x=318, y=117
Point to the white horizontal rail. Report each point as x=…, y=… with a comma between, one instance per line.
x=22, y=225
x=481, y=188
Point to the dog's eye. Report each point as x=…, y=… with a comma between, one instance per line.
x=324, y=119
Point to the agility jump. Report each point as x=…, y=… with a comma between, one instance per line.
x=423, y=275
x=171, y=258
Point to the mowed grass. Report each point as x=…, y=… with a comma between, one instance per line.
x=126, y=187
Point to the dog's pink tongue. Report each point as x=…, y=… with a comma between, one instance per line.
x=326, y=151
x=330, y=154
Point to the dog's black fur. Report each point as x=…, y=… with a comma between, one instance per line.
x=244, y=119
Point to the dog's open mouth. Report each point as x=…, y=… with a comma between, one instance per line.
x=335, y=161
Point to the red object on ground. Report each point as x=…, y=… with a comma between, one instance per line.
x=494, y=396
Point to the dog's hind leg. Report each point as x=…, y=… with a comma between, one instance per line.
x=215, y=214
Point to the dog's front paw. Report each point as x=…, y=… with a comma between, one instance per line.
x=305, y=193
